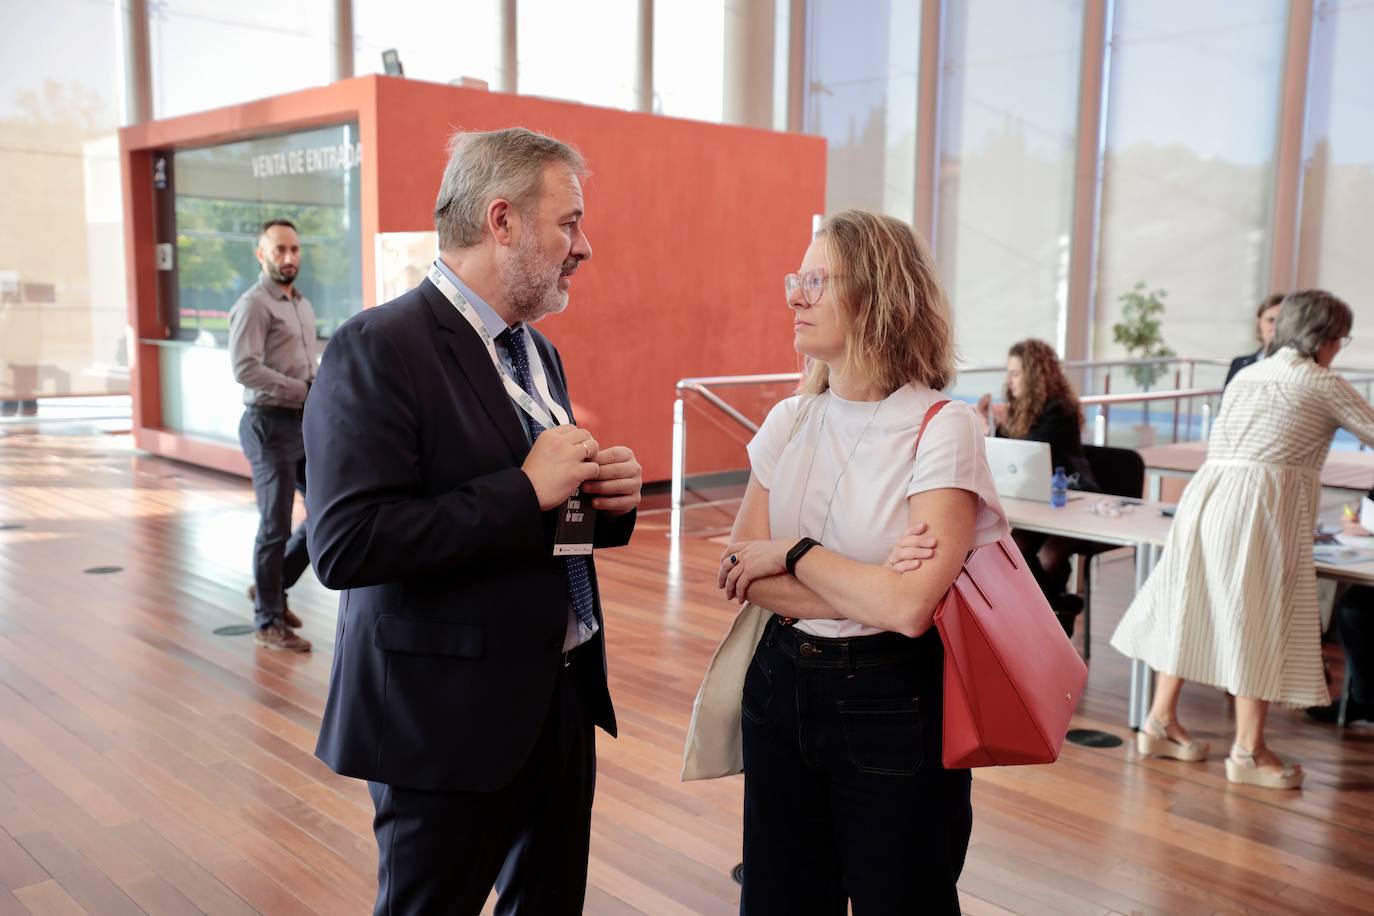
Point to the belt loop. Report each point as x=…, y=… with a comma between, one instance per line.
x=770, y=632
x=848, y=662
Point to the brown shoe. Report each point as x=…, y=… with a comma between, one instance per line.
x=278, y=636
x=289, y=618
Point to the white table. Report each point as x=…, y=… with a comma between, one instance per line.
x=1145, y=530
x=1347, y=471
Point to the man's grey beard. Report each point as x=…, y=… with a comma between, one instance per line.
x=532, y=295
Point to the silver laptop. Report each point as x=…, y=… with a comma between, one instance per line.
x=1021, y=468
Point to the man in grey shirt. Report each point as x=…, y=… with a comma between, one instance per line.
x=272, y=347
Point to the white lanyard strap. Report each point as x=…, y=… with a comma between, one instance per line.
x=517, y=394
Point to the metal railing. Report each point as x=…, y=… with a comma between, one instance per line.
x=1181, y=421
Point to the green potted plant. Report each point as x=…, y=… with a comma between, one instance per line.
x=1138, y=331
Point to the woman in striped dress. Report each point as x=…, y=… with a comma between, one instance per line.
x=1233, y=602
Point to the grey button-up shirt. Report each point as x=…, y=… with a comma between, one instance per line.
x=272, y=344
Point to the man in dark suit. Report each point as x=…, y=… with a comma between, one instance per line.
x=1266, y=321
x=470, y=665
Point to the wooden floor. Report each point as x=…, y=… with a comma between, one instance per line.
x=148, y=765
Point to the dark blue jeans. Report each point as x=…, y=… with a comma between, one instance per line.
x=845, y=797
x=275, y=448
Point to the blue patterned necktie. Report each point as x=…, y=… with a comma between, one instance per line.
x=579, y=571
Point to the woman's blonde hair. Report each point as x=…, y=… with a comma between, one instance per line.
x=894, y=312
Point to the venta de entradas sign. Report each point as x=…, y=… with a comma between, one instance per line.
x=332, y=158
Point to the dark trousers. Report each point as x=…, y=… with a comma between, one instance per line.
x=441, y=852
x=1355, y=622
x=845, y=796
x=275, y=449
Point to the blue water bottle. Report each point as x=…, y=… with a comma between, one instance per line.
x=1059, y=489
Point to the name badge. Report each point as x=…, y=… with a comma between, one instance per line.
x=576, y=527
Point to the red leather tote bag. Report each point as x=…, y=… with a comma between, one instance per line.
x=1012, y=678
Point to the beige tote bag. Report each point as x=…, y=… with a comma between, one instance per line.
x=715, y=737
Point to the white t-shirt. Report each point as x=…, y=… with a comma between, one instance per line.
x=863, y=452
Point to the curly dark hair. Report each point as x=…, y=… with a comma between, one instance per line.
x=1044, y=381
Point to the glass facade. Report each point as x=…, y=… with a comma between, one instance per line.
x=1007, y=143
x=1190, y=127
x=689, y=59
x=207, y=54
x=223, y=195
x=220, y=197
x=437, y=40
x=1337, y=223
x=62, y=287
x=861, y=96
x=1188, y=173
x=556, y=46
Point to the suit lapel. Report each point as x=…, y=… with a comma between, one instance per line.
x=475, y=364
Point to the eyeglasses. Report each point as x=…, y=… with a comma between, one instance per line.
x=811, y=284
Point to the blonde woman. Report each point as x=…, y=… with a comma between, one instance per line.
x=1233, y=602
x=845, y=797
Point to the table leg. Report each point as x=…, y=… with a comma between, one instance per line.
x=1142, y=679
x=1154, y=486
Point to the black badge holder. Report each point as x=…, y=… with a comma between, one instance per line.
x=576, y=527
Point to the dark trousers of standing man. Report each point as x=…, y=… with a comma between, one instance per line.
x=441, y=852
x=272, y=441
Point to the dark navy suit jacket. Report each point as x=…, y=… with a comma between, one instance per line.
x=1239, y=363
x=454, y=609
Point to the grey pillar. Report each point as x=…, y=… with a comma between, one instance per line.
x=509, y=77
x=136, y=102
x=748, y=63
x=644, y=72
x=341, y=37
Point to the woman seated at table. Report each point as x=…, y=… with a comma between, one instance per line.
x=1265, y=318
x=1233, y=601
x=1355, y=625
x=1041, y=406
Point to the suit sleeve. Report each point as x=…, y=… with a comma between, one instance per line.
x=611, y=530
x=370, y=519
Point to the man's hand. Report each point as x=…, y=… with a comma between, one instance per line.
x=562, y=458
x=916, y=545
x=617, y=486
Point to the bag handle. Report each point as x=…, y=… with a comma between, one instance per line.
x=930, y=415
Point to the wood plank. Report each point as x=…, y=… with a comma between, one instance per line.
x=148, y=765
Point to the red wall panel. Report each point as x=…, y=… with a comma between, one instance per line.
x=692, y=226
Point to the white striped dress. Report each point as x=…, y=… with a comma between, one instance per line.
x=1233, y=601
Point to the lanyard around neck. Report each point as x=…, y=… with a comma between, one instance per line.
x=517, y=394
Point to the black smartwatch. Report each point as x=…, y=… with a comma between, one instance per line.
x=798, y=551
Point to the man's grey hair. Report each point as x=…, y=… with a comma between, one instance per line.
x=486, y=165
x=1310, y=318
